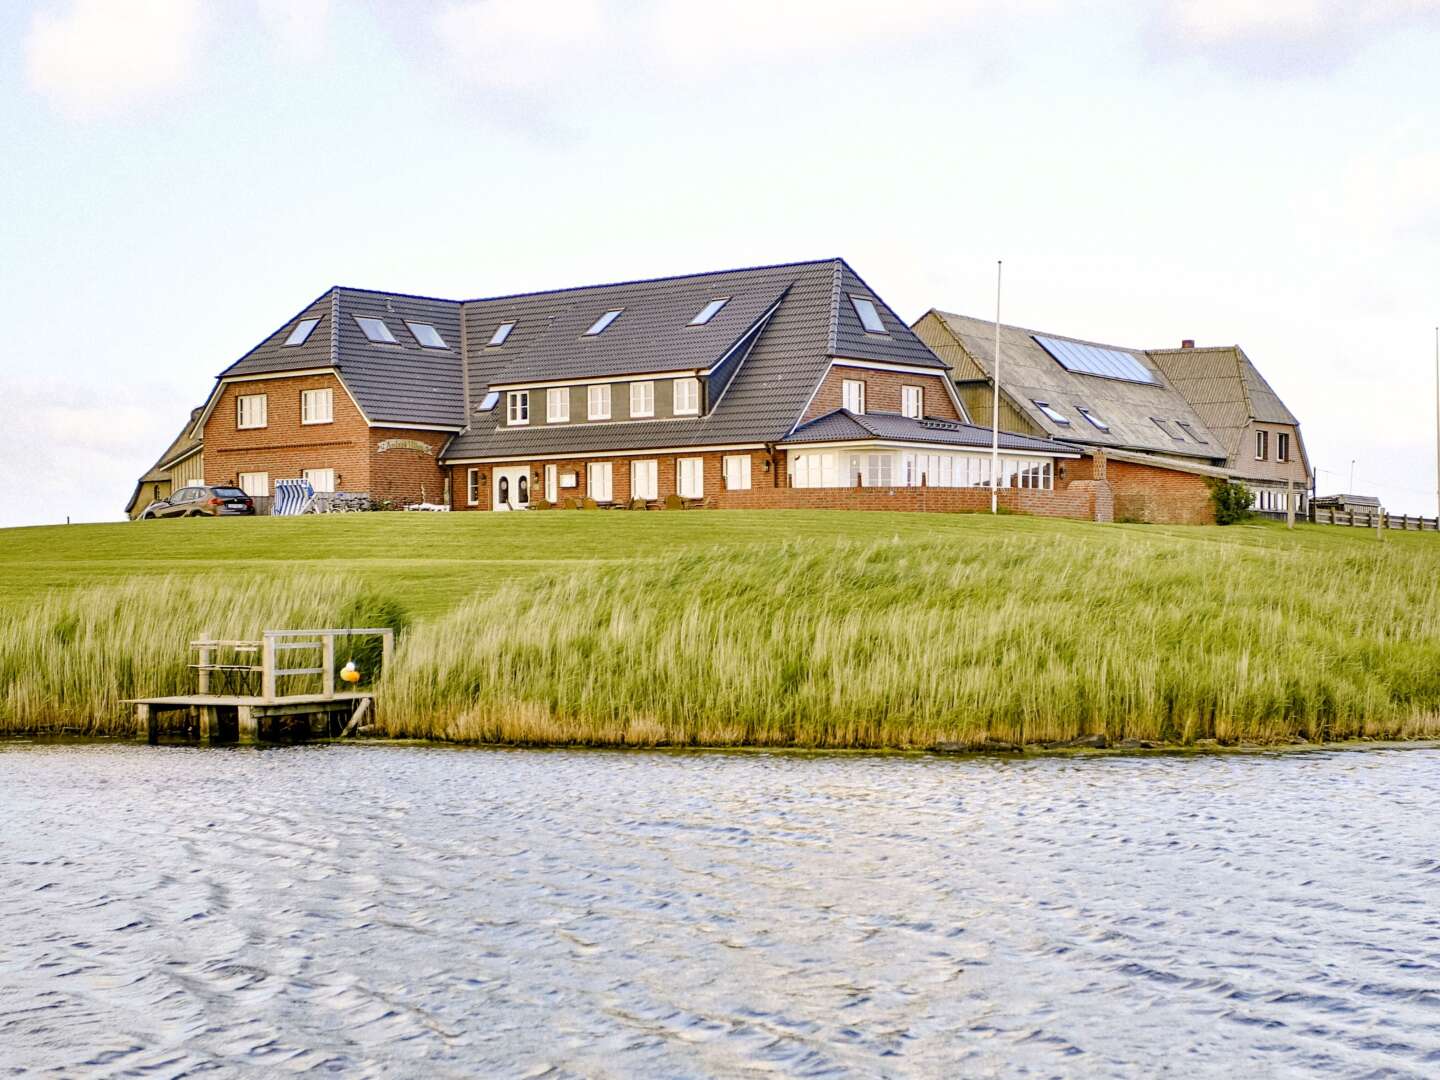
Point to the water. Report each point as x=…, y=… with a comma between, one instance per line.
x=391, y=911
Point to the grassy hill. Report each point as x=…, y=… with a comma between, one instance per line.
x=767, y=628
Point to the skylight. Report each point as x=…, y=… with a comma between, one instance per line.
x=491, y=400
x=1096, y=360
x=709, y=311
x=1164, y=425
x=375, y=329
x=426, y=335
x=301, y=333
x=599, y=325
x=869, y=317
x=501, y=333
x=1054, y=414
x=1094, y=420
x=1188, y=430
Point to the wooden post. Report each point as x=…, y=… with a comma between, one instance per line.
x=146, y=722
x=1290, y=504
x=203, y=671
x=209, y=723
x=248, y=726
x=387, y=650
x=267, y=667
x=327, y=663
x=1379, y=516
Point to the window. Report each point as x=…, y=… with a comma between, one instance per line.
x=642, y=399
x=1188, y=430
x=552, y=484
x=852, y=395
x=813, y=470
x=255, y=483
x=322, y=480
x=490, y=400
x=427, y=335
x=869, y=317
x=251, y=411
x=912, y=401
x=1095, y=421
x=517, y=407
x=472, y=487
x=600, y=325
x=598, y=402
x=317, y=406
x=1282, y=446
x=687, y=397
x=643, y=480
x=1164, y=425
x=557, y=405
x=302, y=330
x=598, y=477
x=376, y=330
x=1262, y=445
x=736, y=468
x=1055, y=415
x=709, y=311
x=501, y=333
x=690, y=477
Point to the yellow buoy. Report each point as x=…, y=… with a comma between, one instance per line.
x=348, y=672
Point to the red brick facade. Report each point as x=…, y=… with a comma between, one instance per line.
x=882, y=392
x=385, y=463
x=1148, y=493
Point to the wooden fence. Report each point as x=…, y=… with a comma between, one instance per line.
x=1373, y=519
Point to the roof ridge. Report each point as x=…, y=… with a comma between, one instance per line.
x=947, y=315
x=335, y=326
x=835, y=307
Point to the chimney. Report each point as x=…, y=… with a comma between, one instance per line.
x=1188, y=343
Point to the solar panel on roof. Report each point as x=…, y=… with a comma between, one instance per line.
x=1095, y=360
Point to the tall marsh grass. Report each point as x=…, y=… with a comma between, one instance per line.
x=69, y=660
x=910, y=643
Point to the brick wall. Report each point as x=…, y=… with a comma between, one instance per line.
x=403, y=473
x=882, y=392
x=1148, y=493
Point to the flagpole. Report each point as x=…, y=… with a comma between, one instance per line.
x=1437, y=423
x=995, y=403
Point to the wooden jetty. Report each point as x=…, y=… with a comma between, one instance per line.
x=243, y=694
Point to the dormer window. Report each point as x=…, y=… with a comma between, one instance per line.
x=518, y=407
x=869, y=316
x=376, y=330
x=501, y=333
x=426, y=335
x=687, y=397
x=709, y=311
x=912, y=401
x=302, y=330
x=1095, y=421
x=600, y=325
x=1053, y=414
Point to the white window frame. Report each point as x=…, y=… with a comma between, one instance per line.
x=852, y=395
x=240, y=410
x=686, y=397
x=557, y=405
x=249, y=478
x=552, y=483
x=645, y=479
x=307, y=474
x=517, y=408
x=912, y=402
x=736, y=470
x=690, y=477
x=472, y=487
x=597, y=402
x=600, y=481
x=642, y=399
x=1282, y=446
x=1262, y=445
x=310, y=413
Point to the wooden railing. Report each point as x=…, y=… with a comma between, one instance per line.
x=1373, y=519
x=226, y=658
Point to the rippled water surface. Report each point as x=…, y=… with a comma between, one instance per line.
x=392, y=911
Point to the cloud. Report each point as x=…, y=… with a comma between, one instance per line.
x=1279, y=38
x=523, y=44
x=298, y=27
x=99, y=56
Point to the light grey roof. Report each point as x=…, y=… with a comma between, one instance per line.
x=761, y=404
x=402, y=383
x=183, y=445
x=1030, y=374
x=843, y=425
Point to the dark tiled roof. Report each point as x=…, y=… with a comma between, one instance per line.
x=761, y=403
x=403, y=383
x=842, y=425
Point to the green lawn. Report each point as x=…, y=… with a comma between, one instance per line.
x=756, y=628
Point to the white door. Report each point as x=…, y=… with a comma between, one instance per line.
x=512, y=488
x=552, y=484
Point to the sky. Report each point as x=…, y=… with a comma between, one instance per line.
x=179, y=177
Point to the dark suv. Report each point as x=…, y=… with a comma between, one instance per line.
x=201, y=502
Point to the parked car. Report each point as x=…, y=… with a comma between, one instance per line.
x=201, y=502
